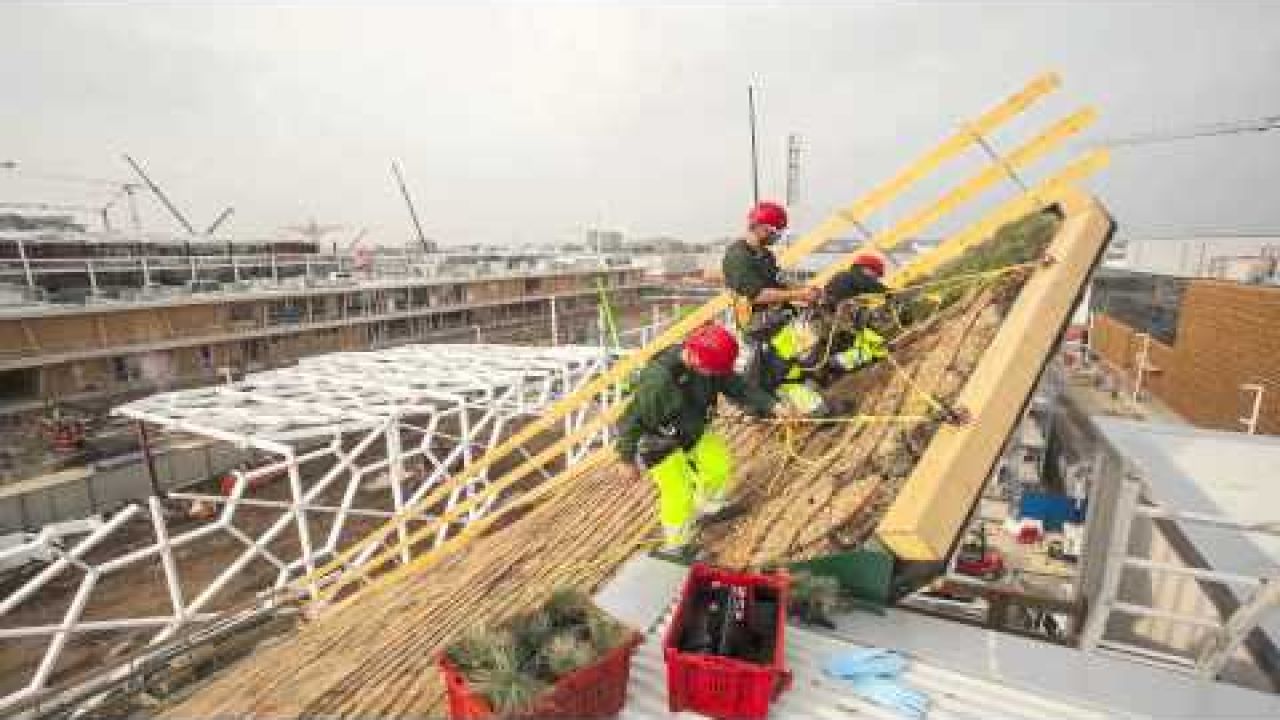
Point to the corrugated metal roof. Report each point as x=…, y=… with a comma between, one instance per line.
x=967, y=672
x=953, y=695
x=642, y=594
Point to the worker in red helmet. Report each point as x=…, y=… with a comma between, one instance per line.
x=766, y=309
x=856, y=343
x=750, y=267
x=665, y=431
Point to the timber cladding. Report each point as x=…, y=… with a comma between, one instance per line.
x=1228, y=336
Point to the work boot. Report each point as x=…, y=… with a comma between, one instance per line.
x=681, y=550
x=676, y=538
x=719, y=510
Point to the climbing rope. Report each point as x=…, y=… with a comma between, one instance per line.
x=882, y=300
x=940, y=410
x=934, y=403
x=791, y=427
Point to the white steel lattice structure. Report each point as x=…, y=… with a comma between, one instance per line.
x=343, y=437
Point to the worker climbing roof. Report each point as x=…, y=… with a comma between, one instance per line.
x=664, y=429
x=673, y=397
x=858, y=279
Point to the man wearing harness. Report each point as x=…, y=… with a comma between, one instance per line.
x=854, y=343
x=664, y=429
x=766, y=309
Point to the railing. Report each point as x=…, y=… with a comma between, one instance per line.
x=1224, y=636
x=106, y=489
x=254, y=328
x=268, y=273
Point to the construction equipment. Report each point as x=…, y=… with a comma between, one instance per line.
x=725, y=647
x=121, y=188
x=64, y=432
x=164, y=199
x=978, y=559
x=218, y=221
x=413, y=212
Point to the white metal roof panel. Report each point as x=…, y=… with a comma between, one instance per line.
x=345, y=391
x=1213, y=472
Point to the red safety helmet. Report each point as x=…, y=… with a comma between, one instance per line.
x=768, y=213
x=711, y=349
x=871, y=260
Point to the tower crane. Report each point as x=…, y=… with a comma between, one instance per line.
x=120, y=189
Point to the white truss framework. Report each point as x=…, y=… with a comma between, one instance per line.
x=352, y=435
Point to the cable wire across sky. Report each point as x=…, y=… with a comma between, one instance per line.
x=1237, y=127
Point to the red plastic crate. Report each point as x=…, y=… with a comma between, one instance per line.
x=594, y=691
x=720, y=687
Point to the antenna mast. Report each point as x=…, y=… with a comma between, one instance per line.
x=755, y=156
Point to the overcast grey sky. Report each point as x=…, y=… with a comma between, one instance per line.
x=530, y=122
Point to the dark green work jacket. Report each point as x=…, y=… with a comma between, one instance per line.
x=748, y=270
x=850, y=284
x=671, y=400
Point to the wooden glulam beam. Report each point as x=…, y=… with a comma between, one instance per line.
x=928, y=514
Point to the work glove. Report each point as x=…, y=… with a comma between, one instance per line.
x=890, y=693
x=872, y=672
x=866, y=661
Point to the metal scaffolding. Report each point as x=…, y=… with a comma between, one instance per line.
x=351, y=435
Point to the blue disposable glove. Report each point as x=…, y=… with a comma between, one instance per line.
x=892, y=694
x=866, y=661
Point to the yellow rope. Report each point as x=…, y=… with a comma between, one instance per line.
x=789, y=432
x=877, y=299
x=864, y=419
x=881, y=299
x=911, y=383
x=790, y=426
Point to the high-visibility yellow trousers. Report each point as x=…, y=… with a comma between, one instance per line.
x=868, y=347
x=689, y=479
x=790, y=342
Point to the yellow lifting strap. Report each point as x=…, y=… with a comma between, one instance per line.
x=743, y=308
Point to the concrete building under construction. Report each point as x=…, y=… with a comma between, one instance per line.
x=90, y=317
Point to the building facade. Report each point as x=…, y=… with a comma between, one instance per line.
x=1205, y=348
x=51, y=353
